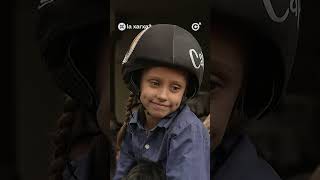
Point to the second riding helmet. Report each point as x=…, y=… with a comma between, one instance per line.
x=272, y=27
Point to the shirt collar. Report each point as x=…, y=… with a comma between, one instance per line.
x=134, y=119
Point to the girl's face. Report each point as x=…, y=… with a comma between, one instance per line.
x=226, y=73
x=162, y=90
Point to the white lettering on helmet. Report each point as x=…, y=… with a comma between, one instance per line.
x=294, y=7
x=199, y=56
x=43, y=3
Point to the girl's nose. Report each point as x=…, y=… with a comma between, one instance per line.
x=162, y=94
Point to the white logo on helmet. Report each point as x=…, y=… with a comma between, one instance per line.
x=199, y=56
x=294, y=7
x=44, y=3
x=133, y=45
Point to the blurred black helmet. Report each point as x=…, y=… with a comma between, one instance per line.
x=71, y=33
x=272, y=26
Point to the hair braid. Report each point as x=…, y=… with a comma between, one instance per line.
x=122, y=131
x=62, y=140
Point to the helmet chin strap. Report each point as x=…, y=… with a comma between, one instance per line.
x=135, y=88
x=240, y=105
x=184, y=100
x=262, y=111
x=77, y=75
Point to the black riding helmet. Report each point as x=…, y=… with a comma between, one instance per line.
x=71, y=33
x=164, y=45
x=272, y=27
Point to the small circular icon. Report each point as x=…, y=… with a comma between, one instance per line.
x=195, y=26
x=122, y=26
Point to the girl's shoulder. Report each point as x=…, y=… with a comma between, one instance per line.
x=187, y=120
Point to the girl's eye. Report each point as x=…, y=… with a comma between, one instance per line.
x=175, y=88
x=154, y=83
x=215, y=83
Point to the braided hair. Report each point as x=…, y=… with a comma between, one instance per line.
x=76, y=114
x=69, y=133
x=62, y=140
x=132, y=100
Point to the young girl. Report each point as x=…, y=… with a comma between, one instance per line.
x=163, y=69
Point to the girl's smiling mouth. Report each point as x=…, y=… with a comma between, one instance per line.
x=159, y=105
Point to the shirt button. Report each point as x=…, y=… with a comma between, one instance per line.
x=147, y=146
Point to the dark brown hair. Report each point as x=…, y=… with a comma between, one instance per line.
x=122, y=132
x=62, y=140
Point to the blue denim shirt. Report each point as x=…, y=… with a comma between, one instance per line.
x=77, y=169
x=179, y=142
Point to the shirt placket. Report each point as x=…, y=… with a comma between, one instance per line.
x=145, y=146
